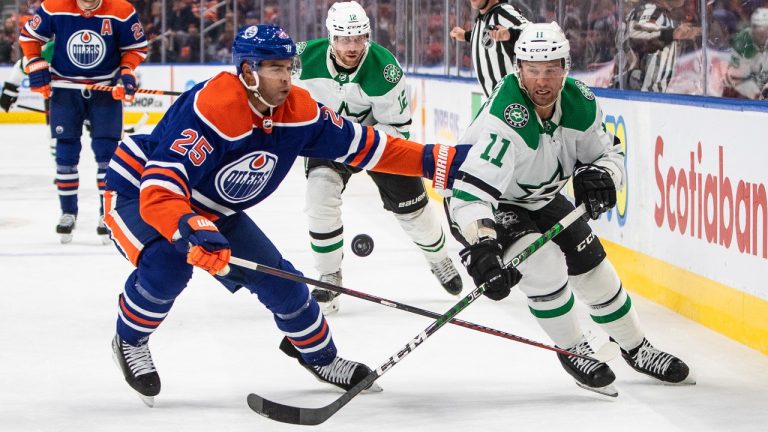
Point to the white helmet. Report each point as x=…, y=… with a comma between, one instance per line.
x=540, y=42
x=347, y=19
x=759, y=17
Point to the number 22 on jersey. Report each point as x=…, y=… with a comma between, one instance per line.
x=192, y=145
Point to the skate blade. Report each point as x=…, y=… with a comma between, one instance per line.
x=65, y=238
x=374, y=388
x=608, y=390
x=331, y=307
x=148, y=400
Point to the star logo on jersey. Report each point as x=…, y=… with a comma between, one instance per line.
x=300, y=47
x=358, y=117
x=392, y=73
x=86, y=49
x=516, y=115
x=546, y=190
x=246, y=177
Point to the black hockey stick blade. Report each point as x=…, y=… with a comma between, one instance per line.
x=307, y=416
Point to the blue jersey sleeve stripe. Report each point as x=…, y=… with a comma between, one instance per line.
x=374, y=150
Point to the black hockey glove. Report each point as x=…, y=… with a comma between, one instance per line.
x=483, y=263
x=9, y=96
x=593, y=186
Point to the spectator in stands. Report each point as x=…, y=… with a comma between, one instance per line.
x=649, y=41
x=748, y=68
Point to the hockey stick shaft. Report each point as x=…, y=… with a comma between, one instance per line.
x=401, y=306
x=314, y=416
x=33, y=109
x=106, y=88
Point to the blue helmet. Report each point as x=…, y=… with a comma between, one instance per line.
x=261, y=42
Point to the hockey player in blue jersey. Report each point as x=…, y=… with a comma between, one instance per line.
x=98, y=42
x=176, y=199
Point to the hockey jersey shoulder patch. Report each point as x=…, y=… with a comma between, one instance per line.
x=509, y=105
x=222, y=104
x=380, y=72
x=578, y=105
x=299, y=109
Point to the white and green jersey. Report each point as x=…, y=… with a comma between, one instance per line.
x=374, y=94
x=748, y=67
x=519, y=159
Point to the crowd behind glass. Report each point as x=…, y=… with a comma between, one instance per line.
x=725, y=54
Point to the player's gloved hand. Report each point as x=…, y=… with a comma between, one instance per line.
x=125, y=85
x=593, y=186
x=208, y=249
x=9, y=96
x=484, y=264
x=39, y=76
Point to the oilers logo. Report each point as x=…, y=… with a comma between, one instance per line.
x=244, y=178
x=86, y=49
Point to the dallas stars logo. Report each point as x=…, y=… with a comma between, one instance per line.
x=543, y=191
x=392, y=73
x=585, y=91
x=358, y=116
x=516, y=115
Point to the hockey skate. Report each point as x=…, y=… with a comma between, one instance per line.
x=66, y=226
x=665, y=367
x=138, y=369
x=342, y=373
x=103, y=232
x=589, y=375
x=446, y=273
x=328, y=300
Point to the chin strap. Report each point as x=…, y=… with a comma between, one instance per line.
x=255, y=89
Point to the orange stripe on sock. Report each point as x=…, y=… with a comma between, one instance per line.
x=313, y=339
x=67, y=184
x=136, y=318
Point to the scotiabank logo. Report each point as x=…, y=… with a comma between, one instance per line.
x=711, y=206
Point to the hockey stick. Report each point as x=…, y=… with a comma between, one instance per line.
x=106, y=88
x=606, y=353
x=33, y=109
x=314, y=416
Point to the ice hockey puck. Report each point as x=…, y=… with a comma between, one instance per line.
x=362, y=245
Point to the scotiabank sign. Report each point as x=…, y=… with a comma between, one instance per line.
x=716, y=207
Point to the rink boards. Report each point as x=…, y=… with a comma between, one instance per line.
x=690, y=230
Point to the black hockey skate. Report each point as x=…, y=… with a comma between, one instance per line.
x=665, y=367
x=138, y=369
x=446, y=273
x=329, y=300
x=342, y=373
x=589, y=375
x=66, y=226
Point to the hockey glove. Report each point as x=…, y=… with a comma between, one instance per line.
x=593, y=186
x=9, y=96
x=483, y=263
x=125, y=85
x=207, y=248
x=39, y=76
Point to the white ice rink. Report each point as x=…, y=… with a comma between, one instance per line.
x=58, y=305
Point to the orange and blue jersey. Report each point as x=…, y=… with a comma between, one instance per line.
x=90, y=46
x=213, y=153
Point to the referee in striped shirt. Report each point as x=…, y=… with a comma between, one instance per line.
x=493, y=38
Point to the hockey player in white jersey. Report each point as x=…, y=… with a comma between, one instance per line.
x=363, y=82
x=538, y=129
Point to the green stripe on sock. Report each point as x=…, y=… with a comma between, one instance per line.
x=464, y=196
x=623, y=310
x=327, y=249
x=440, y=244
x=553, y=313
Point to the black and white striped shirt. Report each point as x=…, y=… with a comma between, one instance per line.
x=649, y=49
x=494, y=60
